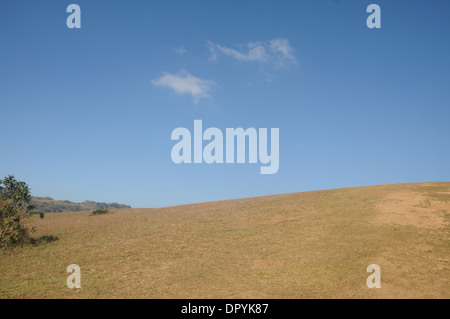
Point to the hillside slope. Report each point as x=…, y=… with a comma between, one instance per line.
x=303, y=245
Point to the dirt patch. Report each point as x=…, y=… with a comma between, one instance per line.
x=411, y=208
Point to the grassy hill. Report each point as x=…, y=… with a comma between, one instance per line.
x=49, y=205
x=303, y=245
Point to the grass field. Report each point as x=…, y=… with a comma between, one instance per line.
x=303, y=245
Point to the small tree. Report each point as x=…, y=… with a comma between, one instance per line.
x=15, y=205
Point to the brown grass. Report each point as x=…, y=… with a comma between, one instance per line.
x=304, y=245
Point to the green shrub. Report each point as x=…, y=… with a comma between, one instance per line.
x=99, y=212
x=15, y=205
x=42, y=240
x=37, y=212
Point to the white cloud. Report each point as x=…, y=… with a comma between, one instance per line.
x=180, y=50
x=256, y=53
x=185, y=83
x=276, y=52
x=212, y=49
x=283, y=53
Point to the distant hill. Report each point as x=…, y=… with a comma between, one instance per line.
x=49, y=205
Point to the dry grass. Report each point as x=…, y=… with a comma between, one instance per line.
x=304, y=245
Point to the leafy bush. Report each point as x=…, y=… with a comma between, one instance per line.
x=99, y=212
x=43, y=240
x=15, y=204
x=37, y=212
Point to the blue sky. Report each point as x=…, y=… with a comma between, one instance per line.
x=88, y=113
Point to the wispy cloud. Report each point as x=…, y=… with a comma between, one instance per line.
x=185, y=83
x=181, y=50
x=276, y=52
x=283, y=54
x=213, y=51
x=256, y=52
